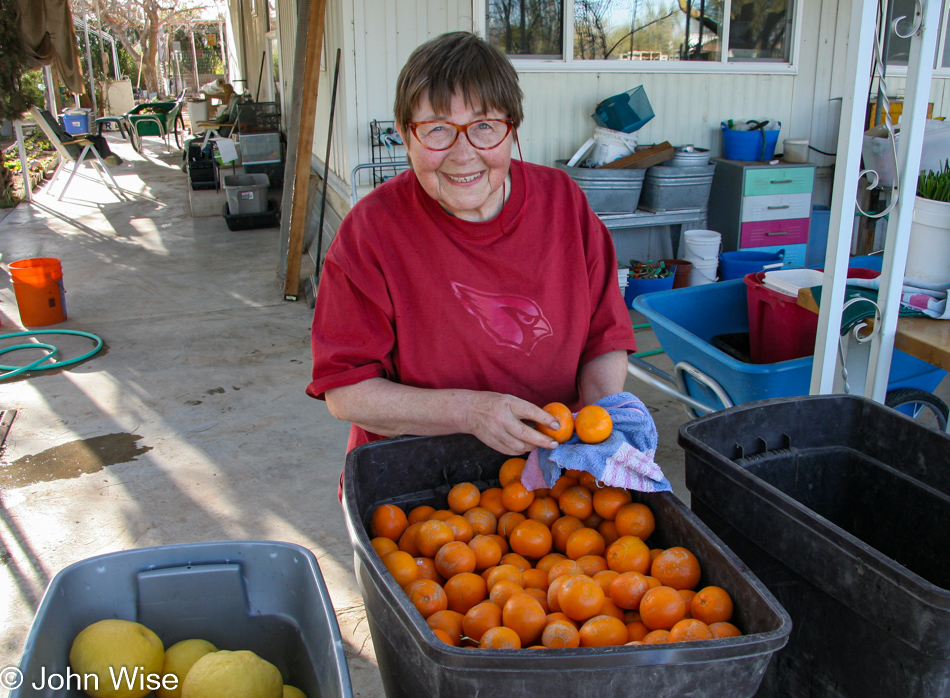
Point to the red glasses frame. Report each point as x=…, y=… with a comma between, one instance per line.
x=460, y=129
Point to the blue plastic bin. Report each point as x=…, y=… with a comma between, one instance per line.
x=818, y=236
x=747, y=145
x=637, y=287
x=76, y=122
x=735, y=265
x=627, y=112
x=686, y=319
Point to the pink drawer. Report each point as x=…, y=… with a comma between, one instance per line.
x=767, y=233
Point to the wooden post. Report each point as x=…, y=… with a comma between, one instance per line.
x=301, y=186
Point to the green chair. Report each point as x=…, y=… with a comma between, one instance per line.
x=156, y=119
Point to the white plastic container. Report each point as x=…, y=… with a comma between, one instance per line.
x=789, y=281
x=247, y=193
x=928, y=254
x=796, y=150
x=608, y=145
x=876, y=149
x=703, y=271
x=702, y=245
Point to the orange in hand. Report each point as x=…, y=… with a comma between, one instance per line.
x=565, y=421
x=593, y=424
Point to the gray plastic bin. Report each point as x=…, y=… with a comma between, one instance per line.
x=672, y=188
x=267, y=597
x=608, y=191
x=247, y=193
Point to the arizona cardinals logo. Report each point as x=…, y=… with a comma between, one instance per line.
x=512, y=321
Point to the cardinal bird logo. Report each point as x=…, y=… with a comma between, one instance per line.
x=512, y=321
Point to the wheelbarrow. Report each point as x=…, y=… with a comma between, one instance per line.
x=156, y=119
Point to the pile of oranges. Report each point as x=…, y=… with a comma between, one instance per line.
x=507, y=568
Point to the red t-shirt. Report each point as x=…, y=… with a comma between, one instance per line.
x=514, y=305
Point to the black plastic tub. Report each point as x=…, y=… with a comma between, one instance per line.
x=252, y=221
x=841, y=506
x=413, y=662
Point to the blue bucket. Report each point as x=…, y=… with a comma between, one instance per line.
x=747, y=145
x=637, y=287
x=735, y=265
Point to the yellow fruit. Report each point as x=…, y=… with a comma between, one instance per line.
x=130, y=649
x=179, y=658
x=291, y=692
x=227, y=674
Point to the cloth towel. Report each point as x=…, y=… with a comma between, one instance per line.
x=623, y=459
x=917, y=297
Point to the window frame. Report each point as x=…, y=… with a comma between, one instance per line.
x=568, y=64
x=900, y=71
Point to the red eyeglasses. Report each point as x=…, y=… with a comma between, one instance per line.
x=483, y=134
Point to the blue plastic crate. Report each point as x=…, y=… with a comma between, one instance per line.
x=76, y=123
x=628, y=112
x=686, y=319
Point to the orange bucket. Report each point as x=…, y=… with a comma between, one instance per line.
x=38, y=286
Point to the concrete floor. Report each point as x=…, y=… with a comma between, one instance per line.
x=193, y=424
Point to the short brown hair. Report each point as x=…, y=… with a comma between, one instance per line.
x=458, y=62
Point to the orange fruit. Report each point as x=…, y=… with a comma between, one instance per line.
x=584, y=541
x=463, y=496
x=419, y=514
x=580, y=597
x=563, y=567
x=661, y=608
x=440, y=515
x=516, y=497
x=562, y=529
x=688, y=595
x=586, y=479
x=541, y=596
x=491, y=500
x=509, y=572
x=560, y=633
x=608, y=500
x=555, y=588
x=402, y=566
x=608, y=529
x=502, y=543
x=560, y=616
x=627, y=589
x=593, y=521
x=611, y=609
x=444, y=636
x=508, y=521
x=511, y=470
x=565, y=420
x=464, y=591
x=454, y=558
x=656, y=637
x=603, y=631
x=631, y=616
x=576, y=501
x=407, y=541
x=676, y=567
x=724, y=629
x=482, y=520
x=628, y=554
x=388, y=521
x=711, y=605
x=544, y=510
x=500, y=638
x=480, y=618
x=593, y=424
x=592, y=564
x=427, y=570
x=383, y=546
x=605, y=579
x=535, y=579
x=548, y=561
x=427, y=596
x=531, y=539
x=516, y=560
x=635, y=519
x=448, y=622
x=432, y=535
x=523, y=614
x=487, y=551
x=561, y=484
x=637, y=630
x=690, y=630
x=461, y=528
x=503, y=590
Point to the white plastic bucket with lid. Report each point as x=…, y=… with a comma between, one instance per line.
x=796, y=150
x=928, y=254
x=608, y=145
x=702, y=245
x=703, y=272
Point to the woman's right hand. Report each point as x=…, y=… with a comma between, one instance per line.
x=497, y=421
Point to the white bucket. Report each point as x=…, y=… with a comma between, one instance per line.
x=608, y=145
x=928, y=254
x=795, y=150
x=703, y=245
x=703, y=272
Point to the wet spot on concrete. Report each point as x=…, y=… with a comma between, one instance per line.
x=215, y=391
x=72, y=459
x=193, y=402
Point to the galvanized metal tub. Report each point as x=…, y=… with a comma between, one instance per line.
x=669, y=188
x=608, y=190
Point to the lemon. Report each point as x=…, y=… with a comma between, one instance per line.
x=225, y=674
x=291, y=692
x=179, y=658
x=117, y=645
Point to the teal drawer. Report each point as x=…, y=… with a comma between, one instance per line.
x=778, y=180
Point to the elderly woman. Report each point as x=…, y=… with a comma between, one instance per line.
x=470, y=290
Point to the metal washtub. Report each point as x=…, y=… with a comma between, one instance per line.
x=671, y=188
x=608, y=190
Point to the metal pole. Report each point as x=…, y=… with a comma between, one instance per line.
x=194, y=59
x=102, y=50
x=24, y=162
x=50, y=90
x=92, y=79
x=224, y=52
x=889, y=13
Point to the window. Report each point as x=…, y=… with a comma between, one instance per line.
x=643, y=30
x=898, y=48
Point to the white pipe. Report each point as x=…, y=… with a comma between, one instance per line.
x=92, y=79
x=24, y=161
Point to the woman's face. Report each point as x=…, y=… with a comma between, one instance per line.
x=468, y=183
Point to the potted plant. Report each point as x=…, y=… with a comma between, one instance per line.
x=928, y=254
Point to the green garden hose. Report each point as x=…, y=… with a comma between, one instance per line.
x=652, y=352
x=38, y=365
